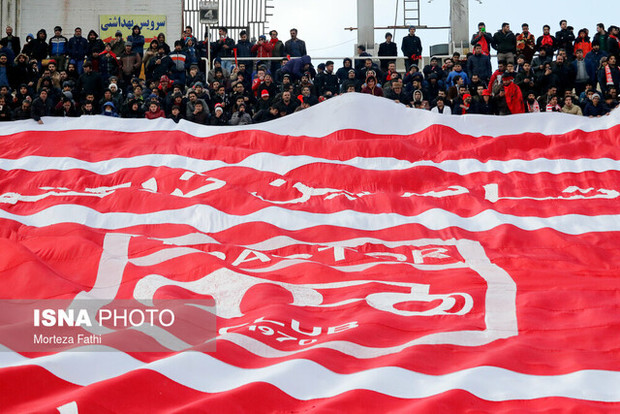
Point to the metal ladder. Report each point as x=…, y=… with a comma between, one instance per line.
x=411, y=12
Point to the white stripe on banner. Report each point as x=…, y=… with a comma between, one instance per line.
x=282, y=164
x=351, y=110
x=210, y=220
x=305, y=380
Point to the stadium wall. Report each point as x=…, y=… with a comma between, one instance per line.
x=32, y=15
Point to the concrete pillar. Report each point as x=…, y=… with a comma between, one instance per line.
x=366, y=23
x=9, y=11
x=459, y=22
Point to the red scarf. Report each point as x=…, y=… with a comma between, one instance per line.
x=533, y=107
x=273, y=41
x=547, y=40
x=485, y=45
x=615, y=38
x=514, y=99
x=609, y=80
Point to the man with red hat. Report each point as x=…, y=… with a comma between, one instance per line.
x=512, y=94
x=484, y=104
x=264, y=101
x=463, y=107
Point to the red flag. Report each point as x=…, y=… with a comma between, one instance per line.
x=423, y=264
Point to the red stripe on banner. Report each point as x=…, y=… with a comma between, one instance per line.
x=436, y=143
x=156, y=393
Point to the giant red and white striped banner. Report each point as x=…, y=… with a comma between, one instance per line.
x=363, y=257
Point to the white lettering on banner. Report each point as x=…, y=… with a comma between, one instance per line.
x=491, y=193
x=13, y=198
x=452, y=190
x=150, y=185
x=229, y=288
x=434, y=252
x=314, y=333
x=215, y=184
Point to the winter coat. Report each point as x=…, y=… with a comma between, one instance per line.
x=504, y=42
x=479, y=65
x=77, y=48
x=411, y=45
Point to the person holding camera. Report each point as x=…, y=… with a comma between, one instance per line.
x=482, y=38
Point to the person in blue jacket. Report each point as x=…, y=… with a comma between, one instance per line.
x=137, y=40
x=77, y=49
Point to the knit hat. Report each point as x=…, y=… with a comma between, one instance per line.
x=264, y=92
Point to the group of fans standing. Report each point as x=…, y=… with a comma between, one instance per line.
x=127, y=77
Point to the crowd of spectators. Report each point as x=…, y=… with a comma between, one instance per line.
x=129, y=78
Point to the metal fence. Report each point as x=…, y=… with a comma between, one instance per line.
x=236, y=15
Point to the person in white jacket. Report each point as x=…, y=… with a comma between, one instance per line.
x=441, y=107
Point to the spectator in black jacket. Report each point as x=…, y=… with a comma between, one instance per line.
x=23, y=111
x=5, y=111
x=546, y=42
x=224, y=48
x=565, y=39
x=41, y=106
x=328, y=81
x=90, y=82
x=11, y=41
x=613, y=42
x=411, y=47
x=39, y=47
x=505, y=42
x=387, y=48
x=479, y=64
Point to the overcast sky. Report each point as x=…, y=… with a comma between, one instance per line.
x=321, y=23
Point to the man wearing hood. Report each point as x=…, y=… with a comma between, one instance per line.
x=343, y=72
x=95, y=46
x=297, y=67
x=77, y=49
x=109, y=109
x=137, y=40
x=39, y=46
